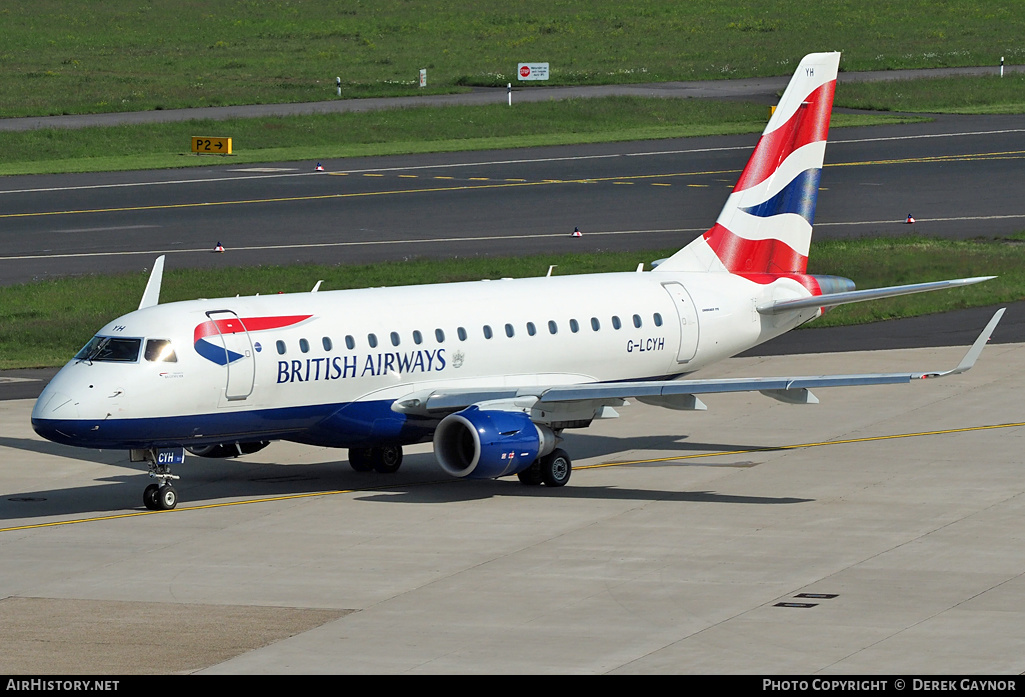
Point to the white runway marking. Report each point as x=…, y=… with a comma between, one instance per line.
x=432, y=240
x=105, y=229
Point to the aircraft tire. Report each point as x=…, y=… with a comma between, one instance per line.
x=167, y=498
x=149, y=496
x=361, y=459
x=388, y=459
x=532, y=475
x=556, y=467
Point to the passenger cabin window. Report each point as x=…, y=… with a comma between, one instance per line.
x=304, y=345
x=487, y=331
x=658, y=319
x=637, y=321
x=109, y=349
x=280, y=345
x=159, y=350
x=509, y=331
x=531, y=329
x=461, y=332
x=574, y=326
x=595, y=324
x=553, y=328
x=616, y=324
x=350, y=343
x=326, y=341
x=418, y=338
x=439, y=335
x=394, y=338
x=372, y=340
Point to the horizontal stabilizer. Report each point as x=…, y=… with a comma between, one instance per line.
x=857, y=296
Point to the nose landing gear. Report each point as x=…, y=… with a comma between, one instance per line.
x=160, y=496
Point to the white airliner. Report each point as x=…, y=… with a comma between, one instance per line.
x=493, y=371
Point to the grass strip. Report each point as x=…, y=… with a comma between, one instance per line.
x=391, y=132
x=946, y=95
x=43, y=324
x=94, y=57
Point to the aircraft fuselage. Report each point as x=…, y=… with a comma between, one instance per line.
x=326, y=367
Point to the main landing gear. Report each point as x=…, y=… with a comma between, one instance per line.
x=385, y=460
x=552, y=469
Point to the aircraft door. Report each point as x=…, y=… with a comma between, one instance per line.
x=238, y=354
x=687, y=316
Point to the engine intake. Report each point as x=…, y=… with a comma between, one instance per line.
x=487, y=444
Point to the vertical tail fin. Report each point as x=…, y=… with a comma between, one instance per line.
x=766, y=224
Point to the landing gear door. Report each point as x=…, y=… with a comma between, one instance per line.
x=687, y=316
x=238, y=354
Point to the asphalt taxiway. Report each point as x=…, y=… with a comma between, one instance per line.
x=958, y=175
x=878, y=532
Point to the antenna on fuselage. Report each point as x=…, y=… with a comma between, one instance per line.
x=151, y=296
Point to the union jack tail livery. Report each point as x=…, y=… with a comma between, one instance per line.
x=766, y=225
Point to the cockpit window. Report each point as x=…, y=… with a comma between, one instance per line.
x=160, y=350
x=110, y=349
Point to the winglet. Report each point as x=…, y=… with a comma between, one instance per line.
x=973, y=353
x=969, y=359
x=151, y=296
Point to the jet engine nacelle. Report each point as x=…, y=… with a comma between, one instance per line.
x=487, y=444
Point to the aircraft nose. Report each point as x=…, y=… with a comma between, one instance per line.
x=56, y=417
x=56, y=405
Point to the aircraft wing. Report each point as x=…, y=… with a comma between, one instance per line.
x=675, y=394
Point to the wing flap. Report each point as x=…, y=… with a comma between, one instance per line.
x=794, y=389
x=780, y=385
x=600, y=390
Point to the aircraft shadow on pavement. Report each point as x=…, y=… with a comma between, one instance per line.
x=472, y=490
x=420, y=481
x=588, y=445
x=45, y=447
